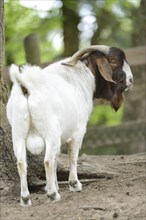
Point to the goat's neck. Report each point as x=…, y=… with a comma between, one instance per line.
x=80, y=77
x=83, y=81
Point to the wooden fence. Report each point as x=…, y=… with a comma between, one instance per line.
x=136, y=56
x=98, y=136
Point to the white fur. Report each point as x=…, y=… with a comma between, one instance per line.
x=55, y=112
x=129, y=75
x=34, y=142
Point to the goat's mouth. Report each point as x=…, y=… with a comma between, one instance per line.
x=129, y=83
x=121, y=87
x=129, y=87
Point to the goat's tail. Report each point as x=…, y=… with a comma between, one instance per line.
x=16, y=77
x=15, y=74
x=34, y=142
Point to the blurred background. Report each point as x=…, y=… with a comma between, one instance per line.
x=44, y=31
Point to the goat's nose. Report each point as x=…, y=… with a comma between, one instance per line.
x=131, y=80
x=129, y=83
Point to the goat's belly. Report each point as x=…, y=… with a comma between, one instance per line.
x=68, y=130
x=34, y=142
x=65, y=137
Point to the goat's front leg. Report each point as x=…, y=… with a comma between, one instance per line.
x=20, y=153
x=50, y=169
x=74, y=147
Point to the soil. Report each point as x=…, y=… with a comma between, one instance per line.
x=120, y=195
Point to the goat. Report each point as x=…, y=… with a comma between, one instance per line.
x=51, y=106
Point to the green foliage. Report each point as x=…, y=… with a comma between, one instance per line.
x=105, y=115
x=113, y=25
x=20, y=22
x=114, y=19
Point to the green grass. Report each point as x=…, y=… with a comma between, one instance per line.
x=105, y=115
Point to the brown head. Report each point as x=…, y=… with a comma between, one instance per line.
x=111, y=70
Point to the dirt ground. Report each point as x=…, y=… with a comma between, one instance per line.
x=121, y=196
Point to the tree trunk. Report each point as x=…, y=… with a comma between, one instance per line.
x=70, y=23
x=3, y=87
x=1, y=35
x=32, y=49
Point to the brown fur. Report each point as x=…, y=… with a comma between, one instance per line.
x=25, y=91
x=108, y=70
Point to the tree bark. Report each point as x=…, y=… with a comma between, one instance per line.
x=1, y=35
x=3, y=87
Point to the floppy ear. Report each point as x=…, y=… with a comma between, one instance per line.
x=105, y=69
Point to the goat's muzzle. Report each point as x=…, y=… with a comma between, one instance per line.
x=129, y=84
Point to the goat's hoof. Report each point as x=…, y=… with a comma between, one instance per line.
x=54, y=197
x=75, y=186
x=25, y=201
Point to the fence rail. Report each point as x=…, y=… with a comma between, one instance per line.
x=98, y=136
x=136, y=55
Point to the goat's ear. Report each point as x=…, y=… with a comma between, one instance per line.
x=105, y=69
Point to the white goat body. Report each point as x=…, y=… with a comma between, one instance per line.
x=51, y=106
x=55, y=111
x=57, y=99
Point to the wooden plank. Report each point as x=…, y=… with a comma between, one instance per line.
x=136, y=56
x=98, y=136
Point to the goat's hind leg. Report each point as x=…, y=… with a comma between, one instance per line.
x=74, y=183
x=20, y=121
x=20, y=153
x=73, y=150
x=50, y=169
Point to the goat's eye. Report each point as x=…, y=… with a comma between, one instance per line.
x=113, y=62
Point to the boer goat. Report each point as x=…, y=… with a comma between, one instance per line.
x=51, y=106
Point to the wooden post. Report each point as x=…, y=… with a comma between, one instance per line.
x=32, y=49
